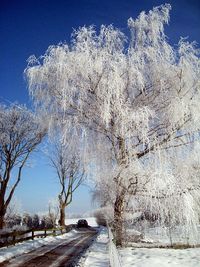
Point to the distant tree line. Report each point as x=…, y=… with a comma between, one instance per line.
x=29, y=221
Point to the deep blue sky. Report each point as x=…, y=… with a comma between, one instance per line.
x=29, y=26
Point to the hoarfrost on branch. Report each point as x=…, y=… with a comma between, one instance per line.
x=135, y=102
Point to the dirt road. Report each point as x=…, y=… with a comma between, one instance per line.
x=64, y=253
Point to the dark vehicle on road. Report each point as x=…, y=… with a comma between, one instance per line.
x=82, y=223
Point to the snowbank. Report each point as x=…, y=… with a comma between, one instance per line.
x=97, y=254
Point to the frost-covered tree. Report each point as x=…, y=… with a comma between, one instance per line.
x=130, y=97
x=35, y=221
x=173, y=192
x=20, y=133
x=13, y=220
x=46, y=222
x=27, y=220
x=53, y=211
x=12, y=216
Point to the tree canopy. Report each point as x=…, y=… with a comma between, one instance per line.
x=20, y=133
x=135, y=99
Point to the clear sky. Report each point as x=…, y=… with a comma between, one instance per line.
x=29, y=26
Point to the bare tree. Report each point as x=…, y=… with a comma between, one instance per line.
x=20, y=133
x=66, y=160
x=132, y=101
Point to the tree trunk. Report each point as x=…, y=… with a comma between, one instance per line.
x=62, y=215
x=2, y=218
x=118, y=218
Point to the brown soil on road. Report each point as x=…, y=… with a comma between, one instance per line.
x=64, y=254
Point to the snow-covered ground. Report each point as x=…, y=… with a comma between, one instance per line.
x=149, y=256
x=157, y=257
x=30, y=245
x=97, y=255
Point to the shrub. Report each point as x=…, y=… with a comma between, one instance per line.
x=100, y=217
x=35, y=221
x=27, y=220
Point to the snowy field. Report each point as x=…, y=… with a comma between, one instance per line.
x=135, y=256
x=157, y=257
x=91, y=221
x=159, y=236
x=30, y=245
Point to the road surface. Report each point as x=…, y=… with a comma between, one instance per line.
x=61, y=253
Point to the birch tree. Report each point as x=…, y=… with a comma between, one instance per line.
x=135, y=96
x=20, y=133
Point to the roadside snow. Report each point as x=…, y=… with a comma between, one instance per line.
x=30, y=245
x=156, y=257
x=97, y=254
